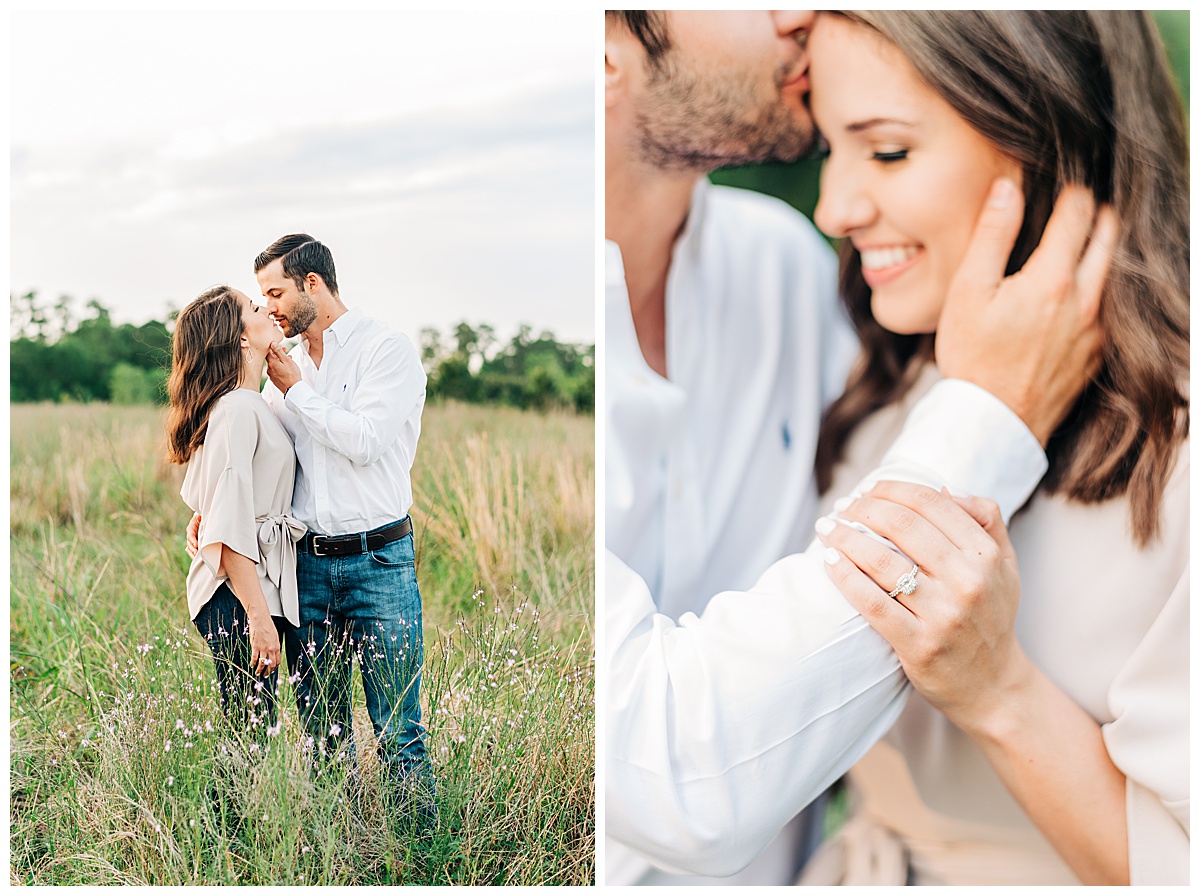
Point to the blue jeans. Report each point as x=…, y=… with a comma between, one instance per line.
x=365, y=606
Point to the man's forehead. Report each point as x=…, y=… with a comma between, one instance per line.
x=270, y=273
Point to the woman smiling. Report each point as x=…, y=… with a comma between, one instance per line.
x=1050, y=742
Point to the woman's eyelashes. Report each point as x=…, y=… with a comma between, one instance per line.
x=822, y=150
x=891, y=155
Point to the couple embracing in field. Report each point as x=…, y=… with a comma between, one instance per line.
x=301, y=541
x=1006, y=381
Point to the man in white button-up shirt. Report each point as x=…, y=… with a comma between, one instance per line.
x=723, y=344
x=350, y=395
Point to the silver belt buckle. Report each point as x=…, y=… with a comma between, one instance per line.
x=316, y=548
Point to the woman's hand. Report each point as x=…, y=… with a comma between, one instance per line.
x=264, y=639
x=955, y=638
x=264, y=643
x=954, y=634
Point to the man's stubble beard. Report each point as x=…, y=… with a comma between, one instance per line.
x=304, y=312
x=685, y=124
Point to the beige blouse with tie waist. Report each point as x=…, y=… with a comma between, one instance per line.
x=1107, y=621
x=240, y=482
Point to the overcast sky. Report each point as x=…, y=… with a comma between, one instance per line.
x=447, y=159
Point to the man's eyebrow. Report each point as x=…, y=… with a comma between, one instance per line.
x=865, y=125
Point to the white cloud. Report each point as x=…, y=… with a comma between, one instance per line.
x=449, y=163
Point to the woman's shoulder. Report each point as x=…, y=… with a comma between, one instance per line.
x=239, y=404
x=240, y=416
x=247, y=397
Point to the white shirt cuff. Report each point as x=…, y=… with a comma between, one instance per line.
x=297, y=395
x=970, y=440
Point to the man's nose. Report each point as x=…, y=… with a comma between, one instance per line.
x=794, y=22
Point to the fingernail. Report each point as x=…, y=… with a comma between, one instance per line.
x=867, y=485
x=956, y=492
x=841, y=504
x=832, y=556
x=825, y=525
x=1002, y=194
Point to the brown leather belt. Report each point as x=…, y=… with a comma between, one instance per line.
x=358, y=543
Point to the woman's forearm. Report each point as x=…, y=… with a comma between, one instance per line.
x=243, y=579
x=1052, y=758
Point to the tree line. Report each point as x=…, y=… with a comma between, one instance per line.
x=535, y=372
x=58, y=353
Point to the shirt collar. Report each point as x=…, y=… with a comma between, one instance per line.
x=688, y=241
x=614, y=266
x=344, y=325
x=340, y=329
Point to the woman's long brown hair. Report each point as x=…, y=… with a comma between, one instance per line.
x=1074, y=97
x=206, y=363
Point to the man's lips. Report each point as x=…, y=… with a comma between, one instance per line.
x=798, y=78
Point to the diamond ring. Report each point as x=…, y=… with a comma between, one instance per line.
x=907, y=583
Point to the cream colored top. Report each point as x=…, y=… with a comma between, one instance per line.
x=240, y=482
x=1108, y=622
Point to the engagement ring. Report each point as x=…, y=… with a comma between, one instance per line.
x=907, y=583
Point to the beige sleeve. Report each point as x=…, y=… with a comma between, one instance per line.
x=1148, y=740
x=227, y=485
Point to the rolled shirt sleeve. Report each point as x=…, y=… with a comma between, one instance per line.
x=721, y=727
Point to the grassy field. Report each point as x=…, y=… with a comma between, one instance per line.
x=115, y=728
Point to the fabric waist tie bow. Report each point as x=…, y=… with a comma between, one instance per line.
x=277, y=538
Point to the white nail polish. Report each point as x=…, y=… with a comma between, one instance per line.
x=832, y=556
x=956, y=492
x=867, y=485
x=825, y=525
x=841, y=504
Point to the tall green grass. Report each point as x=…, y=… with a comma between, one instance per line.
x=122, y=770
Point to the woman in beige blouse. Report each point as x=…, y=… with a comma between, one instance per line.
x=1047, y=744
x=241, y=587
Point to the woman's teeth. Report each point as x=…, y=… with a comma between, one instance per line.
x=879, y=259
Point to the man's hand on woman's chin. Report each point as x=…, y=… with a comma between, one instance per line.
x=1033, y=338
x=283, y=371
